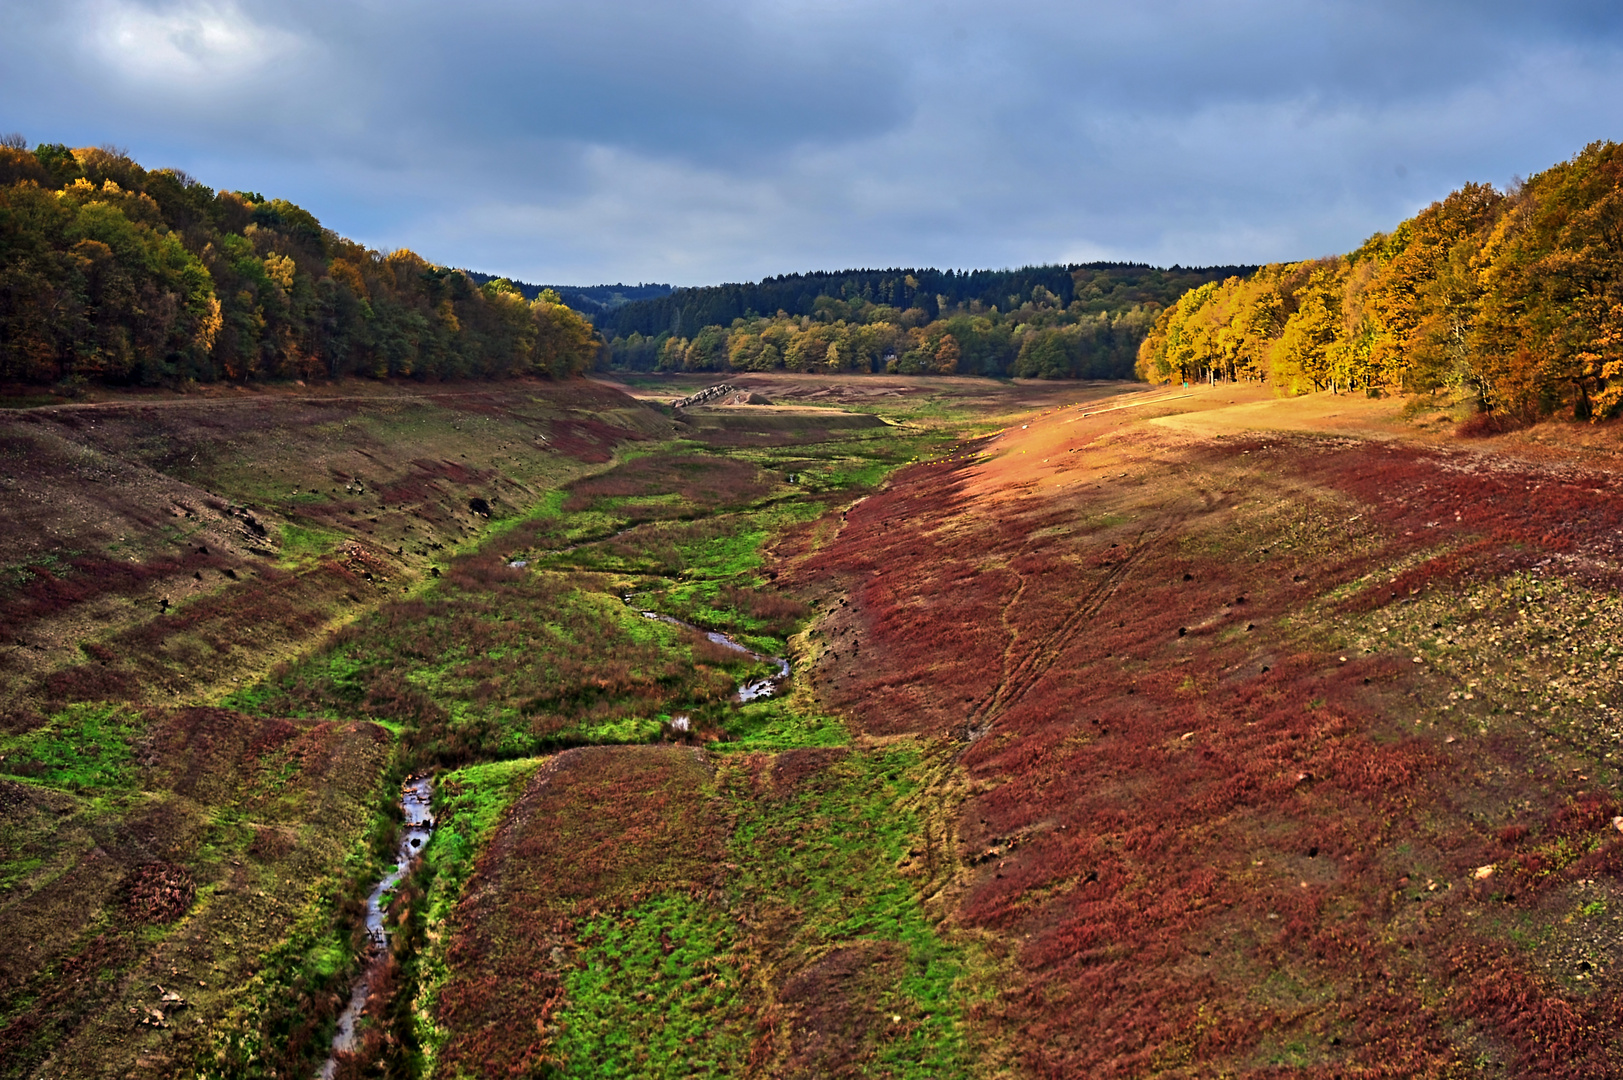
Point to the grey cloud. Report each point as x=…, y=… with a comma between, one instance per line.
x=728, y=139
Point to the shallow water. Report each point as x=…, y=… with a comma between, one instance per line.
x=416, y=803
x=751, y=689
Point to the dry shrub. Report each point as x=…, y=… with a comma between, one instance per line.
x=596, y=830
x=157, y=892
x=18, y=717
x=422, y=484
x=88, y=682
x=1112, y=852
x=702, y=481
x=1554, y=1037
x=779, y=613
x=1484, y=424
x=591, y=441
x=270, y=844
x=710, y=652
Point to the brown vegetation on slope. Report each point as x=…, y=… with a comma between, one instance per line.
x=1211, y=833
x=597, y=830
x=222, y=828
x=160, y=547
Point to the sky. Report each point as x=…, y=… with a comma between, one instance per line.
x=700, y=141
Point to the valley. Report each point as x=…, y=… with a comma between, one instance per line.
x=1129, y=731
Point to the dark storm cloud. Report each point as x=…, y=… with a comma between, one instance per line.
x=726, y=140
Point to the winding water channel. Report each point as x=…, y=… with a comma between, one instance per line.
x=416, y=805
x=749, y=689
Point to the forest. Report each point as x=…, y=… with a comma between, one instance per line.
x=114, y=274
x=1081, y=321
x=1512, y=297
x=592, y=301
x=110, y=273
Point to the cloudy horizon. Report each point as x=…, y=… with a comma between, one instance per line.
x=736, y=139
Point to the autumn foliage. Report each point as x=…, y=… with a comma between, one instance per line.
x=1513, y=296
x=113, y=273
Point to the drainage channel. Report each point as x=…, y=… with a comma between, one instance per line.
x=416, y=803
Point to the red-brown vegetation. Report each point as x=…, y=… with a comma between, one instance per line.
x=597, y=830
x=698, y=482
x=1203, y=836
x=157, y=892
x=588, y=440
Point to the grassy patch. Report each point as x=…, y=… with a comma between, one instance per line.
x=300, y=542
x=468, y=804
x=776, y=724
x=824, y=861
x=652, y=995
x=83, y=747
x=505, y=662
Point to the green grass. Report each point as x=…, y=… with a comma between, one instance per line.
x=622, y=730
x=300, y=542
x=774, y=724
x=83, y=747
x=468, y=804
x=829, y=854
x=653, y=995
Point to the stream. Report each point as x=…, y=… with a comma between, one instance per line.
x=416, y=803
x=751, y=689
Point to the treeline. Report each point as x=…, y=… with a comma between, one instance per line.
x=1051, y=322
x=592, y=301
x=112, y=273
x=1513, y=296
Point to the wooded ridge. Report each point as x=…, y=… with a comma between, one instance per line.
x=1078, y=321
x=1513, y=296
x=115, y=274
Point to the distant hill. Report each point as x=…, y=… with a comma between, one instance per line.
x=593, y=301
x=1102, y=286
x=1075, y=321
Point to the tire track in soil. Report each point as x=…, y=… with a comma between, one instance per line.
x=1046, y=651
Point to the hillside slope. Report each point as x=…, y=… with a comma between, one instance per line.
x=1291, y=731
x=1129, y=732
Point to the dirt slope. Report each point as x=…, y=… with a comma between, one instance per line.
x=162, y=552
x=200, y=540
